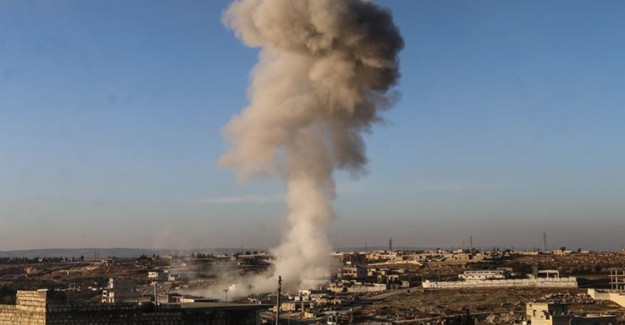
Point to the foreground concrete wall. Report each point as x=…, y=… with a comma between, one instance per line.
x=8, y=315
x=30, y=308
x=568, y=282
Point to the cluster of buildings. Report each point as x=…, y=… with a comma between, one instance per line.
x=428, y=257
x=499, y=278
x=358, y=277
x=125, y=290
x=357, y=274
x=38, y=308
x=441, y=257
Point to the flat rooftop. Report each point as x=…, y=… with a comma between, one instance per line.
x=222, y=305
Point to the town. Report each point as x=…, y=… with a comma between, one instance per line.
x=142, y=142
x=382, y=286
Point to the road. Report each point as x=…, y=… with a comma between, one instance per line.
x=388, y=294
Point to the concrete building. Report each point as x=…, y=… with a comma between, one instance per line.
x=617, y=280
x=557, y=314
x=616, y=297
x=352, y=273
x=483, y=275
x=119, y=290
x=351, y=287
x=159, y=275
x=548, y=274
x=544, y=313
x=567, y=282
x=295, y=306
x=34, y=308
x=351, y=258
x=616, y=293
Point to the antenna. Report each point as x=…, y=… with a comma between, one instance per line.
x=471, y=243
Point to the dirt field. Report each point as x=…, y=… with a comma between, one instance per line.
x=490, y=306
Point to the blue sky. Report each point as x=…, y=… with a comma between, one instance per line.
x=510, y=124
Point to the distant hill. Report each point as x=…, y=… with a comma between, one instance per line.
x=99, y=253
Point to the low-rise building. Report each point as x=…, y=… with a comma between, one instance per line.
x=557, y=314
x=352, y=273
x=158, y=275
x=119, y=290
x=483, y=275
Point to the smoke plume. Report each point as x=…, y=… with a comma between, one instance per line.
x=324, y=74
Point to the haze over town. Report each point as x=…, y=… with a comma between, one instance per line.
x=508, y=124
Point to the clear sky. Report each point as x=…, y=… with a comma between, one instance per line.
x=510, y=124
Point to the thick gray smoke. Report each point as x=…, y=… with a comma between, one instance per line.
x=324, y=71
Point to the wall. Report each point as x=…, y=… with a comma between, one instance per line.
x=8, y=315
x=30, y=308
x=569, y=282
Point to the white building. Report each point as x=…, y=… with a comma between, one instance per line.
x=483, y=275
x=159, y=275
x=119, y=290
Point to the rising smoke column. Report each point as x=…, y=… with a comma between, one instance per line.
x=324, y=71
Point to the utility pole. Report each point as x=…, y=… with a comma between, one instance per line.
x=301, y=298
x=155, y=294
x=278, y=300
